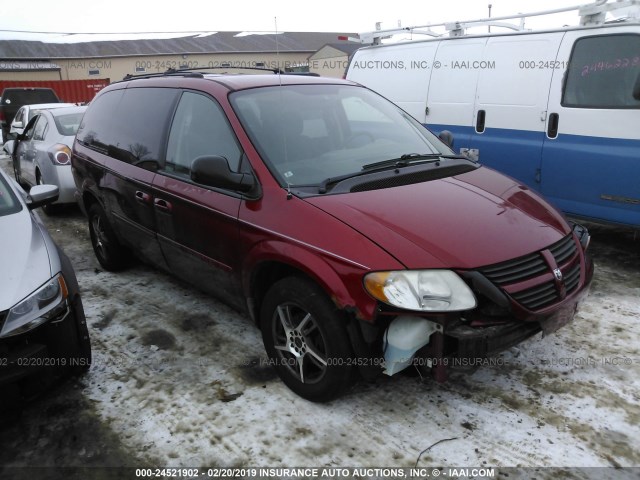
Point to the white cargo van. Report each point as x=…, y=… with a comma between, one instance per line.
x=558, y=110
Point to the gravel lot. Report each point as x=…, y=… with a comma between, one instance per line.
x=180, y=380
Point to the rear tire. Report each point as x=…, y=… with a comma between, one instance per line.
x=305, y=337
x=109, y=252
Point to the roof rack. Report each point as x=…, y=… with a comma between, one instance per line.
x=196, y=72
x=590, y=14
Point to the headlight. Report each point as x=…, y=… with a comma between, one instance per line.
x=46, y=303
x=421, y=290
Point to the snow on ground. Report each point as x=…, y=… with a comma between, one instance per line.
x=179, y=379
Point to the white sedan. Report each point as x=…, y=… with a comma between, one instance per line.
x=27, y=112
x=42, y=153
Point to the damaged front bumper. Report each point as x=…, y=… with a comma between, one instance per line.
x=500, y=321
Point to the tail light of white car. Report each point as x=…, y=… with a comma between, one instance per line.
x=60, y=154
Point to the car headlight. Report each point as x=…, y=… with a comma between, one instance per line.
x=46, y=303
x=421, y=290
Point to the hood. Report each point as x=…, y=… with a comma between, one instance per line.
x=467, y=221
x=24, y=259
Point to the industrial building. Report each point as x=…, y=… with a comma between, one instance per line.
x=317, y=52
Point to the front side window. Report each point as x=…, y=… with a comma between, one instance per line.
x=200, y=128
x=602, y=72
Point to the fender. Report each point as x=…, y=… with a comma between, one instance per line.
x=322, y=267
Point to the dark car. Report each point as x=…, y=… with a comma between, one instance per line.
x=42, y=323
x=356, y=239
x=15, y=97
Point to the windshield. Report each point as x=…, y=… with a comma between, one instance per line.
x=309, y=133
x=8, y=202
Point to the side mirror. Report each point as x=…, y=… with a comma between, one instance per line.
x=214, y=171
x=18, y=124
x=9, y=147
x=40, y=195
x=636, y=89
x=447, y=137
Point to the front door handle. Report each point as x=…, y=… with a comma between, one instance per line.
x=163, y=205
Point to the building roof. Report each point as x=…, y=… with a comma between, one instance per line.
x=346, y=47
x=217, y=42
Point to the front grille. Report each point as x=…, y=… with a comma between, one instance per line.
x=572, y=278
x=516, y=270
x=564, y=249
x=538, y=296
x=3, y=316
x=534, y=265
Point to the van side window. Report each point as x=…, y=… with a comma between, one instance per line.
x=200, y=128
x=133, y=127
x=602, y=72
x=141, y=126
x=101, y=117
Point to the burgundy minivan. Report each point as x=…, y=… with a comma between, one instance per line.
x=357, y=240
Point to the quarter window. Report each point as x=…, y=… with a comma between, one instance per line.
x=603, y=72
x=200, y=128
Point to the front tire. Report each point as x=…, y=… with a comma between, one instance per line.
x=305, y=337
x=110, y=253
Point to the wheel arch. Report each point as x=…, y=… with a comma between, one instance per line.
x=273, y=261
x=88, y=199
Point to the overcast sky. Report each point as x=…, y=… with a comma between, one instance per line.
x=252, y=15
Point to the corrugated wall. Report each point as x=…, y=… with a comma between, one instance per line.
x=71, y=91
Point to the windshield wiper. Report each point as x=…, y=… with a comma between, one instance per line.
x=407, y=159
x=401, y=161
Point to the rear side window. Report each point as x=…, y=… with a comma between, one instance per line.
x=200, y=128
x=129, y=125
x=97, y=130
x=40, y=129
x=603, y=72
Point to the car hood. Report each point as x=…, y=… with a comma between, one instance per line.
x=24, y=258
x=467, y=221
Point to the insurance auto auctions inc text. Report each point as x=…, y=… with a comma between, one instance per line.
x=390, y=473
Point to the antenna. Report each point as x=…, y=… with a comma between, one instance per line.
x=280, y=104
x=275, y=23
